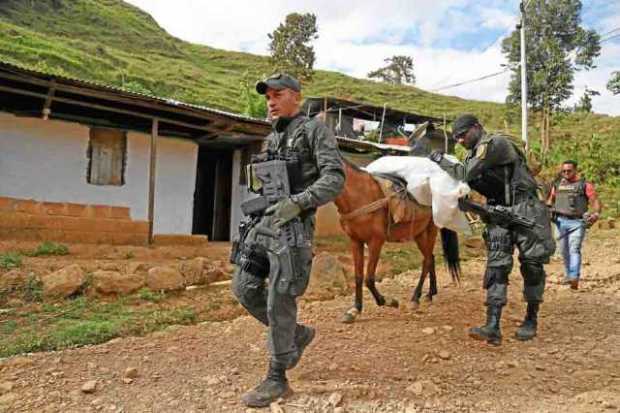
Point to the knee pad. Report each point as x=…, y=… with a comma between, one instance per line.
x=495, y=275
x=533, y=273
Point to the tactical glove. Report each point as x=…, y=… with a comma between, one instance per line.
x=283, y=211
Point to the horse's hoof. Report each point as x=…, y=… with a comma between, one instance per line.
x=415, y=306
x=350, y=316
x=348, y=319
x=428, y=299
x=392, y=302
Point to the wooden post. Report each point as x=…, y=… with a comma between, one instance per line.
x=382, y=122
x=445, y=134
x=152, y=164
x=325, y=109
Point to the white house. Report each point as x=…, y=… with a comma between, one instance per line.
x=77, y=158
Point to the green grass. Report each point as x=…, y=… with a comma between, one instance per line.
x=402, y=257
x=112, y=42
x=83, y=321
x=148, y=295
x=10, y=260
x=48, y=248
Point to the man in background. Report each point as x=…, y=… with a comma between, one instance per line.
x=570, y=198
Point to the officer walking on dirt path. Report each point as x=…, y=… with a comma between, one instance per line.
x=569, y=199
x=496, y=168
x=320, y=181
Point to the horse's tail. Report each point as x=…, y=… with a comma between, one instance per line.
x=450, y=246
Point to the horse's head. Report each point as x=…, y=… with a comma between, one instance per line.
x=419, y=132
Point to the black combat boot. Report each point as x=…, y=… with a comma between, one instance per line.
x=491, y=331
x=527, y=330
x=303, y=337
x=271, y=389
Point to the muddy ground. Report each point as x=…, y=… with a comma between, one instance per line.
x=390, y=360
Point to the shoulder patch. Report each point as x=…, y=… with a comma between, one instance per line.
x=481, y=150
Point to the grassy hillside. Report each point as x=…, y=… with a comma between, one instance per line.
x=115, y=43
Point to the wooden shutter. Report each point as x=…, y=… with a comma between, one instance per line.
x=107, y=150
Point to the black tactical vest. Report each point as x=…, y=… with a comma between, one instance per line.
x=571, y=199
x=293, y=145
x=507, y=184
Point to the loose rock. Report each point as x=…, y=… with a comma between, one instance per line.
x=335, y=399
x=131, y=373
x=63, y=283
x=89, y=387
x=164, y=278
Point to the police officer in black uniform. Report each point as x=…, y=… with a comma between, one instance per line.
x=496, y=168
x=320, y=180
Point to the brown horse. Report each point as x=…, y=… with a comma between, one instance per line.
x=365, y=219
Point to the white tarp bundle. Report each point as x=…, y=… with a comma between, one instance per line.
x=430, y=185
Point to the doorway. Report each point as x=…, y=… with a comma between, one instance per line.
x=212, y=197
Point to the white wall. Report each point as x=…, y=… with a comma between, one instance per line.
x=175, y=185
x=47, y=161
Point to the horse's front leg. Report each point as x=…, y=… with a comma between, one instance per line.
x=357, y=248
x=374, y=252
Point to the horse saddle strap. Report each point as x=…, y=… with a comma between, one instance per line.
x=372, y=207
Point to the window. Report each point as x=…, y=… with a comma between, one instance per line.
x=107, y=153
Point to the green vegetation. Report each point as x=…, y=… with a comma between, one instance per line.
x=112, y=42
x=83, y=321
x=402, y=257
x=398, y=71
x=291, y=48
x=10, y=260
x=148, y=295
x=48, y=248
x=33, y=289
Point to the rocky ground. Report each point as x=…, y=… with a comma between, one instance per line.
x=390, y=360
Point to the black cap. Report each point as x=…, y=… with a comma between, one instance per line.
x=463, y=123
x=278, y=81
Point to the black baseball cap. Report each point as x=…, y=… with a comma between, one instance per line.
x=463, y=123
x=278, y=81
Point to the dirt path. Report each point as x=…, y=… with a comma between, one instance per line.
x=391, y=360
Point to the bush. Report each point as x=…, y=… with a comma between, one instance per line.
x=49, y=248
x=10, y=260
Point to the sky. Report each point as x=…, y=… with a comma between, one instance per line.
x=450, y=40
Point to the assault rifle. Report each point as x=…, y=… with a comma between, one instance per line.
x=497, y=214
x=269, y=177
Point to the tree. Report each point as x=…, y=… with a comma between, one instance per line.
x=585, y=103
x=614, y=83
x=254, y=104
x=398, y=71
x=557, y=46
x=290, y=47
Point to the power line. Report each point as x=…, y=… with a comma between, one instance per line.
x=611, y=31
x=610, y=38
x=471, y=80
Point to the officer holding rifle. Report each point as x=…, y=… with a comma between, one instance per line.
x=515, y=216
x=298, y=170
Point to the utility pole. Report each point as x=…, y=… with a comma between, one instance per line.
x=521, y=26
